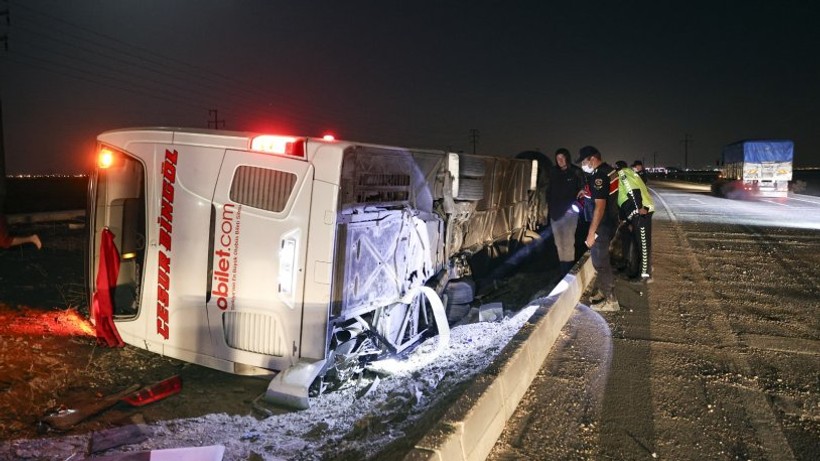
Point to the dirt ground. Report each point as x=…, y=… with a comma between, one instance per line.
x=717, y=359
x=49, y=358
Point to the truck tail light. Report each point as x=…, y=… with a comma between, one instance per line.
x=281, y=145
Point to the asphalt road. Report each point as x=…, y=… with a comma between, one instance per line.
x=719, y=358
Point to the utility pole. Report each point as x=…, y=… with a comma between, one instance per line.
x=5, y=39
x=216, y=121
x=687, y=139
x=655, y=159
x=474, y=137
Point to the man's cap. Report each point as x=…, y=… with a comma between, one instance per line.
x=563, y=151
x=637, y=162
x=587, y=151
x=620, y=164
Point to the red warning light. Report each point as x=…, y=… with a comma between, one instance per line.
x=105, y=158
x=329, y=137
x=284, y=145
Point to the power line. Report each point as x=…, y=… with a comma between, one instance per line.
x=118, y=73
x=228, y=84
x=244, y=96
x=81, y=74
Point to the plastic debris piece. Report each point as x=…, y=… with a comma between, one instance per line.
x=154, y=392
x=491, y=312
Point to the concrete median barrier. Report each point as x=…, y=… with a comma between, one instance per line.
x=471, y=426
x=45, y=216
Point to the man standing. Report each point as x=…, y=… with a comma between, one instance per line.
x=637, y=166
x=566, y=180
x=636, y=207
x=603, y=182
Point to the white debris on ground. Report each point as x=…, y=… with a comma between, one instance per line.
x=357, y=422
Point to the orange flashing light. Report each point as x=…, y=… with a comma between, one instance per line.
x=105, y=158
x=283, y=145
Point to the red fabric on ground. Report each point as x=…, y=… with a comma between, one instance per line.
x=103, y=306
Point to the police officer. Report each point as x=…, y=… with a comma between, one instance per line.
x=603, y=185
x=636, y=208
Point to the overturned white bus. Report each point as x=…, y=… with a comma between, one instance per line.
x=255, y=253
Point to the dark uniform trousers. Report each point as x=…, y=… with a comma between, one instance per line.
x=599, y=253
x=642, y=232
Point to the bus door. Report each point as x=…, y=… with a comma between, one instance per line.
x=259, y=228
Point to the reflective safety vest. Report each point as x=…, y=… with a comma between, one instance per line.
x=631, y=188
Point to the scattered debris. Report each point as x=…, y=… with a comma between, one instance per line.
x=118, y=436
x=154, y=392
x=210, y=453
x=66, y=418
x=369, y=389
x=491, y=312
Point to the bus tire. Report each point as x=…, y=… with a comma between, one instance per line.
x=460, y=291
x=456, y=312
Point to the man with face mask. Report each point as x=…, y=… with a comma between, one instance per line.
x=603, y=185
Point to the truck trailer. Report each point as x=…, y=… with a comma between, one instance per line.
x=297, y=258
x=758, y=168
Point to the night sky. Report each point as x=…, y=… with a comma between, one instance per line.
x=632, y=78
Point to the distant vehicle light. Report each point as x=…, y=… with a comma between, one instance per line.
x=105, y=158
x=283, y=145
x=329, y=137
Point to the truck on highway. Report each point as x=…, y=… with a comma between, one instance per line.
x=293, y=257
x=758, y=168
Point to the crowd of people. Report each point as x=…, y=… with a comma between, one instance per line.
x=608, y=201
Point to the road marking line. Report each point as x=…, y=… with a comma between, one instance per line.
x=776, y=203
x=813, y=202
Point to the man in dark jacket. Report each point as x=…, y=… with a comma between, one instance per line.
x=637, y=167
x=566, y=180
x=603, y=184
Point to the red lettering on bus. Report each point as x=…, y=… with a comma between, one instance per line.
x=166, y=230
